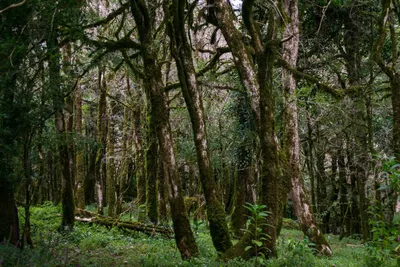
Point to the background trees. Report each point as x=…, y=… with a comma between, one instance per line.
x=209, y=104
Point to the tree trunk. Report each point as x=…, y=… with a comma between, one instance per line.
x=140, y=171
x=395, y=86
x=150, y=181
x=67, y=196
x=182, y=53
x=244, y=161
x=302, y=209
x=153, y=84
x=387, y=18
x=123, y=185
x=101, y=169
x=79, y=172
x=343, y=201
x=260, y=85
x=111, y=182
x=162, y=199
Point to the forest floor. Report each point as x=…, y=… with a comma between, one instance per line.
x=92, y=245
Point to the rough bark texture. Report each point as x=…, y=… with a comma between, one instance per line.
x=260, y=84
x=301, y=207
x=395, y=86
x=153, y=84
x=245, y=151
x=387, y=18
x=111, y=182
x=182, y=53
x=151, y=171
x=123, y=185
x=241, y=56
x=162, y=197
x=67, y=197
x=79, y=172
x=140, y=161
x=101, y=169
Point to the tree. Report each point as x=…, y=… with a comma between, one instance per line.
x=302, y=208
x=145, y=18
x=182, y=53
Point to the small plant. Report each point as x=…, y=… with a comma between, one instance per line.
x=254, y=226
x=376, y=257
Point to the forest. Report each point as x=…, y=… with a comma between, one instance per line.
x=199, y=133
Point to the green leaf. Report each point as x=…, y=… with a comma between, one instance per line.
x=256, y=242
x=396, y=218
x=248, y=247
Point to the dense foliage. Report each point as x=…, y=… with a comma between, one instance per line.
x=218, y=123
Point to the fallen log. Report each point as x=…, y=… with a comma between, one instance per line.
x=150, y=229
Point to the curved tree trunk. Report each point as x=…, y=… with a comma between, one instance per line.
x=302, y=209
x=144, y=16
x=181, y=51
x=259, y=82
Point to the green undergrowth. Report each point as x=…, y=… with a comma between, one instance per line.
x=92, y=245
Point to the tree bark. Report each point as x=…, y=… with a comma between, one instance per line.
x=111, y=182
x=67, y=196
x=302, y=209
x=142, y=169
x=260, y=85
x=79, y=173
x=387, y=18
x=144, y=17
x=101, y=169
x=150, y=182
x=182, y=53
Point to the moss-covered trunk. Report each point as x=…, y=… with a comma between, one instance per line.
x=151, y=171
x=162, y=194
x=182, y=53
x=258, y=81
x=140, y=169
x=111, y=182
x=79, y=172
x=67, y=196
x=101, y=167
x=395, y=86
x=145, y=19
x=124, y=179
x=344, y=208
x=245, y=151
x=302, y=209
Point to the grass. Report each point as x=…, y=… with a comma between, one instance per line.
x=91, y=245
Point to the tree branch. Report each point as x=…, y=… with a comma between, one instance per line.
x=109, y=18
x=337, y=93
x=13, y=6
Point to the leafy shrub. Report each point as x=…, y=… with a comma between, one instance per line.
x=376, y=257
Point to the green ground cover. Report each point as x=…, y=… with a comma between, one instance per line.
x=92, y=245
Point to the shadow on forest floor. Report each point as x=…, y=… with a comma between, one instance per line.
x=92, y=245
